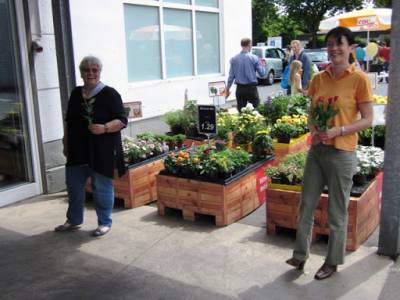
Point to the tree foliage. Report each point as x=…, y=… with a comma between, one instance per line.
x=265, y=16
x=383, y=3
x=267, y=22
x=308, y=14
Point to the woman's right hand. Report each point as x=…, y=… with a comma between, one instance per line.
x=316, y=137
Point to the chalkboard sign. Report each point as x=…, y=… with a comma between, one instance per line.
x=207, y=119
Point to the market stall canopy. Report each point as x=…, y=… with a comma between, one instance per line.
x=370, y=19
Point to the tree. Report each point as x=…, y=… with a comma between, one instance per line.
x=383, y=3
x=267, y=22
x=310, y=13
x=265, y=15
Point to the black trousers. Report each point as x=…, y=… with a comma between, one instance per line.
x=246, y=94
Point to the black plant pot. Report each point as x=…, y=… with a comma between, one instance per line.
x=284, y=139
x=359, y=179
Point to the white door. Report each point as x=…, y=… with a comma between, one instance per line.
x=19, y=167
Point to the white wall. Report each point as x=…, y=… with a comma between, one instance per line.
x=46, y=71
x=98, y=29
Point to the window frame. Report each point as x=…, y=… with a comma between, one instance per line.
x=193, y=8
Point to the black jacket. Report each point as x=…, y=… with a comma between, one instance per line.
x=103, y=153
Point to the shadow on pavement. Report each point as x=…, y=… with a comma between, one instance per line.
x=52, y=266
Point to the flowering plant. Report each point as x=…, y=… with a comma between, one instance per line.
x=323, y=112
x=290, y=126
x=88, y=107
x=290, y=170
x=262, y=145
x=226, y=123
x=137, y=150
x=206, y=161
x=274, y=108
x=369, y=160
x=248, y=123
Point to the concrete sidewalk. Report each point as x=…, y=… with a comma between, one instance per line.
x=147, y=256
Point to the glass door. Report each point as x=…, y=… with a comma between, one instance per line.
x=16, y=167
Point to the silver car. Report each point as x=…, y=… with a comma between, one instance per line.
x=274, y=62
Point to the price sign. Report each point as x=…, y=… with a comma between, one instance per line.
x=207, y=119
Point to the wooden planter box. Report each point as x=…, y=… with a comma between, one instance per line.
x=195, y=142
x=364, y=212
x=138, y=186
x=227, y=202
x=296, y=145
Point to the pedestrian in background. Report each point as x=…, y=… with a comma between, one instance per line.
x=360, y=55
x=331, y=160
x=295, y=77
x=92, y=145
x=243, y=71
x=299, y=54
x=288, y=51
x=384, y=56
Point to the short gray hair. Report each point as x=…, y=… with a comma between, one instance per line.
x=90, y=60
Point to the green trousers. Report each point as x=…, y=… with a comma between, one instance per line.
x=326, y=166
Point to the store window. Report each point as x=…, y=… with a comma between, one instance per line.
x=207, y=43
x=210, y=3
x=160, y=39
x=142, y=33
x=178, y=1
x=178, y=42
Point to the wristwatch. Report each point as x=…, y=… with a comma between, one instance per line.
x=105, y=128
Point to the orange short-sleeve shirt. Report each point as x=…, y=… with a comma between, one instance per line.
x=350, y=89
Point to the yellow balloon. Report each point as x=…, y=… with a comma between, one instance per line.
x=371, y=50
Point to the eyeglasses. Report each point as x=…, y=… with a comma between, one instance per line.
x=93, y=70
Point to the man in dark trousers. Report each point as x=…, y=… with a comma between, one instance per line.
x=244, y=67
x=299, y=54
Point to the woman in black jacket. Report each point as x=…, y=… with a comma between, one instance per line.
x=92, y=146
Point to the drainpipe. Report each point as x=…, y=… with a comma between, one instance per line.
x=64, y=49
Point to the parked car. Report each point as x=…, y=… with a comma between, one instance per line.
x=319, y=57
x=274, y=62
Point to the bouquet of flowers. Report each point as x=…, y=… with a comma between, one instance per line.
x=88, y=107
x=323, y=112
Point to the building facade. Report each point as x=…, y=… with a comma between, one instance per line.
x=153, y=52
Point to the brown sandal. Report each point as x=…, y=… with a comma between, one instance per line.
x=66, y=227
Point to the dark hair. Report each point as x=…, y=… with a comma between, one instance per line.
x=338, y=33
x=245, y=42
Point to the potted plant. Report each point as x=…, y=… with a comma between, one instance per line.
x=288, y=127
x=249, y=122
x=180, y=138
x=262, y=145
x=276, y=107
x=226, y=125
x=225, y=184
x=289, y=171
x=283, y=132
x=176, y=121
x=369, y=162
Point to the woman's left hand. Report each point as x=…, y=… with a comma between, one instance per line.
x=97, y=128
x=329, y=134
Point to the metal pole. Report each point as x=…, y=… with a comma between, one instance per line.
x=367, y=57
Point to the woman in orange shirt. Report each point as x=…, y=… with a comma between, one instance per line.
x=331, y=160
